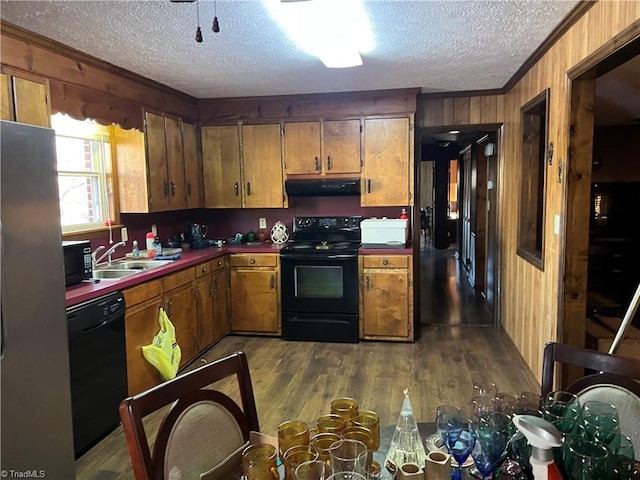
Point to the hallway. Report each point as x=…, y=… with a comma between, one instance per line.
x=446, y=297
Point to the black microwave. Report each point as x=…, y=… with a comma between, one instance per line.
x=78, y=263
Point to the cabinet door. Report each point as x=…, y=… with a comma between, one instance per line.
x=175, y=164
x=386, y=303
x=204, y=308
x=156, y=162
x=302, y=148
x=254, y=300
x=341, y=146
x=192, y=166
x=181, y=309
x=262, y=160
x=221, y=167
x=386, y=162
x=6, y=102
x=141, y=325
x=220, y=290
x=31, y=102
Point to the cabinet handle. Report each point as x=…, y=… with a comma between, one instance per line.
x=273, y=282
x=317, y=164
x=170, y=309
x=236, y=189
x=248, y=188
x=368, y=282
x=166, y=189
x=252, y=261
x=328, y=163
x=189, y=188
x=204, y=269
x=215, y=286
x=219, y=263
x=369, y=186
x=173, y=189
x=385, y=262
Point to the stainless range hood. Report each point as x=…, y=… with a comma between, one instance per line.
x=322, y=187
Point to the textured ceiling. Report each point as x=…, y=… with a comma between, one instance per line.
x=437, y=45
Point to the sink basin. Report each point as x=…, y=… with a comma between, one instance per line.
x=105, y=273
x=137, y=265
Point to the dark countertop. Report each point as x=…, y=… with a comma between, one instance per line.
x=88, y=290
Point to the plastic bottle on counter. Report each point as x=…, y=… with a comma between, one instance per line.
x=136, y=249
x=150, y=237
x=404, y=214
x=157, y=247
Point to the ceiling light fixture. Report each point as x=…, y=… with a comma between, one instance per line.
x=216, y=25
x=335, y=31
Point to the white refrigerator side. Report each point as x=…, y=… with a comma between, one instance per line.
x=36, y=430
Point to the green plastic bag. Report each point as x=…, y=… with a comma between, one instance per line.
x=164, y=352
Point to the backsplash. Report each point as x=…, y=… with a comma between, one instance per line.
x=224, y=223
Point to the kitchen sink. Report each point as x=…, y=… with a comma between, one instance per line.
x=113, y=274
x=137, y=265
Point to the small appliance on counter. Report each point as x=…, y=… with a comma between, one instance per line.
x=78, y=264
x=384, y=232
x=196, y=234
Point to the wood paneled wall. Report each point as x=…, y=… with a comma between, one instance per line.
x=85, y=87
x=460, y=111
x=530, y=309
x=312, y=107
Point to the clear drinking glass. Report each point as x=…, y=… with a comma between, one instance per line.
x=443, y=414
x=348, y=456
x=485, y=389
x=313, y=470
x=585, y=460
x=480, y=405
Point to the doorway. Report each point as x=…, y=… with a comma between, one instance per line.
x=459, y=268
x=582, y=202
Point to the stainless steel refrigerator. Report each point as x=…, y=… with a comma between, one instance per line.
x=36, y=432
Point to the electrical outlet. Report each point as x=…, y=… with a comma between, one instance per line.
x=263, y=222
x=154, y=229
x=124, y=234
x=556, y=224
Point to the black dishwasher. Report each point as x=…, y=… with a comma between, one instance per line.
x=98, y=366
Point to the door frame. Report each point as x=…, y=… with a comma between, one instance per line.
x=572, y=282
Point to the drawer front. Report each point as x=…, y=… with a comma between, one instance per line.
x=262, y=260
x=220, y=262
x=385, y=261
x=177, y=279
x=141, y=293
x=203, y=269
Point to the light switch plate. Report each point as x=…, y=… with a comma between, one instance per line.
x=556, y=224
x=124, y=234
x=263, y=222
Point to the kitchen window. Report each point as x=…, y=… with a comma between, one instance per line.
x=84, y=179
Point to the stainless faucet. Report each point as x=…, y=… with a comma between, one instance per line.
x=108, y=253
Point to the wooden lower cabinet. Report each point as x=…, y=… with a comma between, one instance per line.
x=212, y=300
x=180, y=305
x=143, y=304
x=386, y=297
x=255, y=294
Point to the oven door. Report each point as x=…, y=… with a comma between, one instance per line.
x=319, y=283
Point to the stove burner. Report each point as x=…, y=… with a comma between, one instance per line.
x=304, y=246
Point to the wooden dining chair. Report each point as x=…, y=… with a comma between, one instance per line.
x=204, y=431
x=609, y=378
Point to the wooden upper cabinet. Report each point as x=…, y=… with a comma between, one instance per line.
x=262, y=166
x=322, y=148
x=151, y=166
x=386, y=176
x=175, y=164
x=302, y=148
x=6, y=103
x=25, y=100
x=221, y=167
x=156, y=162
x=192, y=166
x=253, y=180
x=341, y=146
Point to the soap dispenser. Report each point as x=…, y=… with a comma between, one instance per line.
x=403, y=214
x=543, y=436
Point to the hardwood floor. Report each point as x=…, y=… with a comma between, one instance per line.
x=298, y=380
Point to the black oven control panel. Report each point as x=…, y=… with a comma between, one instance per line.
x=326, y=223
